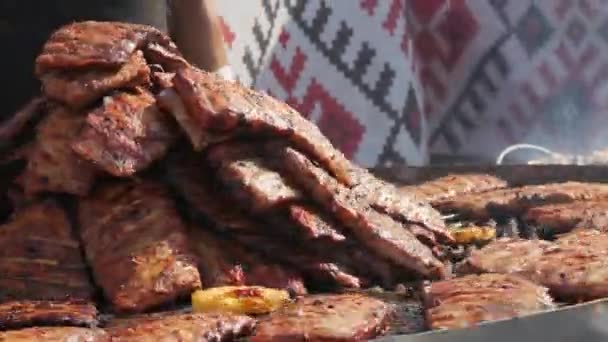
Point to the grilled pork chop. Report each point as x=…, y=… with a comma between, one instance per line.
x=78, y=89
x=182, y=327
x=376, y=231
x=563, y=217
x=515, y=201
x=52, y=165
x=467, y=301
x=39, y=257
x=126, y=134
x=55, y=334
x=137, y=245
x=346, y=317
x=44, y=313
x=455, y=185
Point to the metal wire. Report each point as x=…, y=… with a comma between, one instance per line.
x=517, y=147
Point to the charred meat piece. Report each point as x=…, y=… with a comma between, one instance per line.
x=313, y=224
x=47, y=313
x=52, y=164
x=168, y=59
x=227, y=108
x=39, y=257
x=55, y=334
x=78, y=89
x=187, y=327
x=467, y=301
x=563, y=217
x=16, y=124
x=455, y=185
x=346, y=317
x=515, y=201
x=224, y=262
x=126, y=134
x=376, y=231
x=137, y=245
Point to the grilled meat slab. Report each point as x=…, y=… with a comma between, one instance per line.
x=21, y=314
x=376, y=231
x=126, y=134
x=39, y=258
x=515, y=201
x=467, y=301
x=52, y=165
x=137, y=245
x=168, y=59
x=184, y=327
x=16, y=124
x=455, y=185
x=224, y=262
x=346, y=317
x=563, y=217
x=78, y=89
x=229, y=109
x=313, y=224
x=55, y=334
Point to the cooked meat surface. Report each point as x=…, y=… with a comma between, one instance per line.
x=52, y=164
x=376, y=231
x=515, y=201
x=455, y=185
x=467, y=301
x=313, y=224
x=17, y=123
x=346, y=317
x=224, y=262
x=55, y=334
x=137, y=245
x=126, y=134
x=78, y=89
x=227, y=108
x=169, y=60
x=563, y=217
x=39, y=257
x=21, y=314
x=186, y=327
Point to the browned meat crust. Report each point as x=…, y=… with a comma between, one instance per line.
x=39, y=258
x=126, y=134
x=16, y=123
x=563, y=217
x=137, y=245
x=227, y=108
x=55, y=334
x=376, y=231
x=224, y=262
x=515, y=201
x=347, y=317
x=455, y=185
x=467, y=301
x=47, y=313
x=313, y=224
x=52, y=164
x=169, y=60
x=78, y=89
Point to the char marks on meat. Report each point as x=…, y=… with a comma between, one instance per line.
x=563, y=217
x=313, y=224
x=137, y=245
x=39, y=257
x=126, y=134
x=19, y=314
x=199, y=327
x=346, y=317
x=467, y=301
x=55, y=334
x=52, y=165
x=378, y=232
x=455, y=185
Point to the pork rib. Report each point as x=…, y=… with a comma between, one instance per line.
x=563, y=217
x=21, y=314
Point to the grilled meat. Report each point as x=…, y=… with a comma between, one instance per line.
x=137, y=245
x=47, y=313
x=52, y=165
x=347, y=317
x=378, y=232
x=563, y=217
x=39, y=258
x=55, y=334
x=467, y=301
x=224, y=262
x=168, y=59
x=183, y=327
x=229, y=109
x=313, y=224
x=78, y=89
x=126, y=134
x=455, y=185
x=515, y=201
x=17, y=123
